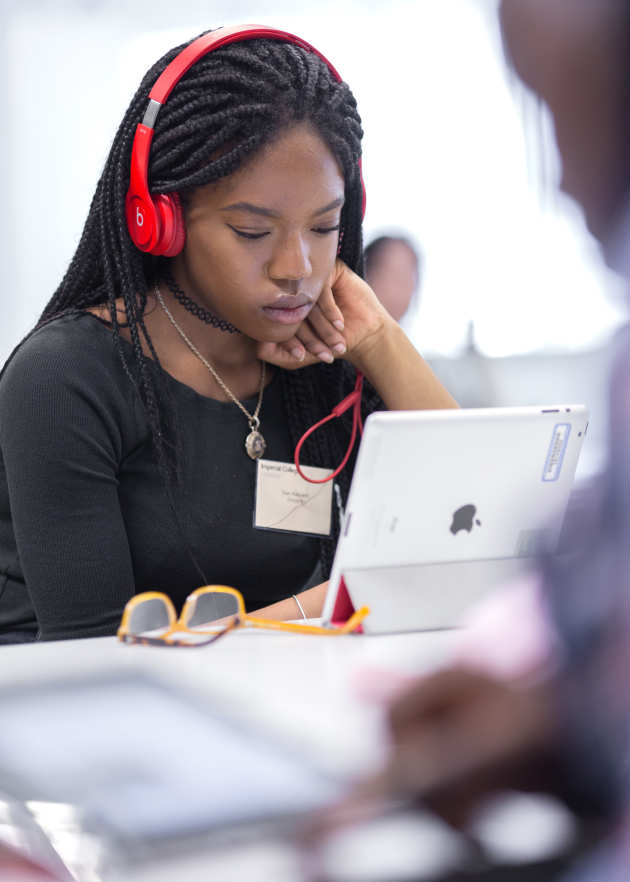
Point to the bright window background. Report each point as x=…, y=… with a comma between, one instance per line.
x=445, y=157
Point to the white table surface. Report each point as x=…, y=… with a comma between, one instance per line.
x=310, y=692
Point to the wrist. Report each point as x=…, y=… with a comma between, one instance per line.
x=367, y=354
x=300, y=607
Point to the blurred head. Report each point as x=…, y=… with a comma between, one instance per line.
x=575, y=54
x=392, y=269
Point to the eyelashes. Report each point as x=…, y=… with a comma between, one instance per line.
x=322, y=231
x=245, y=235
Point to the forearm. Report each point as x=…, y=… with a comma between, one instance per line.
x=312, y=601
x=398, y=372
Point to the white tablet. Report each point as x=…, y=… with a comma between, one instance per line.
x=445, y=504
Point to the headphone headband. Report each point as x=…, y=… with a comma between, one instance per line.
x=155, y=222
x=172, y=74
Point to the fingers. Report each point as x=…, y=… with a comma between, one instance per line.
x=282, y=354
x=321, y=334
x=327, y=338
x=328, y=308
x=319, y=343
x=294, y=348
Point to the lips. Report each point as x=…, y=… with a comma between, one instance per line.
x=289, y=310
x=289, y=301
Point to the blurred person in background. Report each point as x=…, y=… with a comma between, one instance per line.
x=393, y=269
x=392, y=266
x=538, y=697
x=131, y=417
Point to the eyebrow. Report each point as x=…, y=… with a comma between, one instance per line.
x=267, y=212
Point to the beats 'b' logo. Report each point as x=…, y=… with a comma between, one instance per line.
x=139, y=216
x=463, y=519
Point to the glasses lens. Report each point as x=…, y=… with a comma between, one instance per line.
x=148, y=616
x=211, y=606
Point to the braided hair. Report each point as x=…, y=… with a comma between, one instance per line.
x=232, y=102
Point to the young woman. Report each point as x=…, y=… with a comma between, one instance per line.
x=123, y=415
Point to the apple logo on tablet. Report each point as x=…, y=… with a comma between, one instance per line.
x=463, y=519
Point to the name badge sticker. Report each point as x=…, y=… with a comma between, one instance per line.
x=288, y=503
x=557, y=449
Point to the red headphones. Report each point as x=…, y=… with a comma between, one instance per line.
x=155, y=221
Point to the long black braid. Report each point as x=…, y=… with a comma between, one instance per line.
x=227, y=106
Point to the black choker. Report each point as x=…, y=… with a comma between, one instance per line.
x=204, y=314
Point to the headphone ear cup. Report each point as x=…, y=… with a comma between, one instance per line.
x=142, y=221
x=172, y=228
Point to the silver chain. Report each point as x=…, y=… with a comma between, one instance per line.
x=252, y=418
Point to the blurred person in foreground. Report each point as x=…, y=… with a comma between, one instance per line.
x=392, y=266
x=538, y=698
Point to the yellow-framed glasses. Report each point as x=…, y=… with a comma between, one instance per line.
x=208, y=613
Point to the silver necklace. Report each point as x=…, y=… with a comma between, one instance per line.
x=254, y=443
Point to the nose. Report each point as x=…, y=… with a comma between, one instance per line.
x=290, y=262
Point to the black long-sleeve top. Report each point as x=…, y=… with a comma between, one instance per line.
x=84, y=519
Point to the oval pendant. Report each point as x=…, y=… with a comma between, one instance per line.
x=255, y=445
